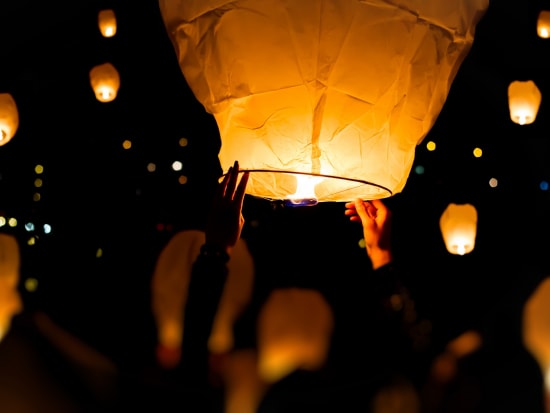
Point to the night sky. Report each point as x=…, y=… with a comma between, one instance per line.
x=96, y=195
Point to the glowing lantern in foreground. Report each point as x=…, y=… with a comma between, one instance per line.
x=10, y=301
x=169, y=294
x=536, y=331
x=458, y=225
x=322, y=100
x=524, y=100
x=106, y=21
x=543, y=24
x=294, y=332
x=9, y=118
x=105, y=82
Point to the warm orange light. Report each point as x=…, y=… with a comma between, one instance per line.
x=524, y=100
x=536, y=331
x=543, y=24
x=10, y=300
x=340, y=90
x=294, y=331
x=105, y=82
x=9, y=118
x=458, y=225
x=170, y=283
x=106, y=20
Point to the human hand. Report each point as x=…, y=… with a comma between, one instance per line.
x=376, y=220
x=225, y=221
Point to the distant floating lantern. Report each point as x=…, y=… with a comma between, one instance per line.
x=524, y=100
x=458, y=225
x=321, y=100
x=294, y=332
x=105, y=82
x=106, y=20
x=9, y=118
x=543, y=24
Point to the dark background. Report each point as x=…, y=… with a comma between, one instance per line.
x=95, y=194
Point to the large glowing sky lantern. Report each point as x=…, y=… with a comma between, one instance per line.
x=322, y=100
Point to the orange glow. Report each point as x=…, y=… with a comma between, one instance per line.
x=106, y=20
x=105, y=82
x=298, y=88
x=9, y=118
x=543, y=24
x=294, y=331
x=458, y=225
x=524, y=100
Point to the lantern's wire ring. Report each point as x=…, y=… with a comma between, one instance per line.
x=360, y=181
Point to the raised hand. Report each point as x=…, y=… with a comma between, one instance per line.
x=376, y=220
x=225, y=221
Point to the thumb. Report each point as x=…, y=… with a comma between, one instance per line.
x=361, y=210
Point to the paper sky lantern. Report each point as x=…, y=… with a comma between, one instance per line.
x=536, y=331
x=169, y=294
x=543, y=24
x=10, y=301
x=458, y=225
x=322, y=100
x=236, y=295
x=9, y=118
x=105, y=82
x=243, y=387
x=294, y=332
x=524, y=100
x=106, y=21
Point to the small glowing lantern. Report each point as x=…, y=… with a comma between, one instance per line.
x=524, y=100
x=321, y=100
x=294, y=331
x=106, y=21
x=458, y=225
x=9, y=118
x=105, y=82
x=543, y=24
x=536, y=331
x=10, y=301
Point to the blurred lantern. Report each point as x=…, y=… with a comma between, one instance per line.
x=9, y=118
x=294, y=332
x=106, y=21
x=10, y=301
x=105, y=82
x=170, y=283
x=236, y=295
x=458, y=225
x=524, y=100
x=543, y=24
x=536, y=331
x=322, y=100
x=244, y=388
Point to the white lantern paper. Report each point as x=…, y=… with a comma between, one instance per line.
x=322, y=100
x=524, y=100
x=458, y=225
x=105, y=82
x=536, y=331
x=106, y=21
x=543, y=24
x=9, y=118
x=294, y=331
x=10, y=301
